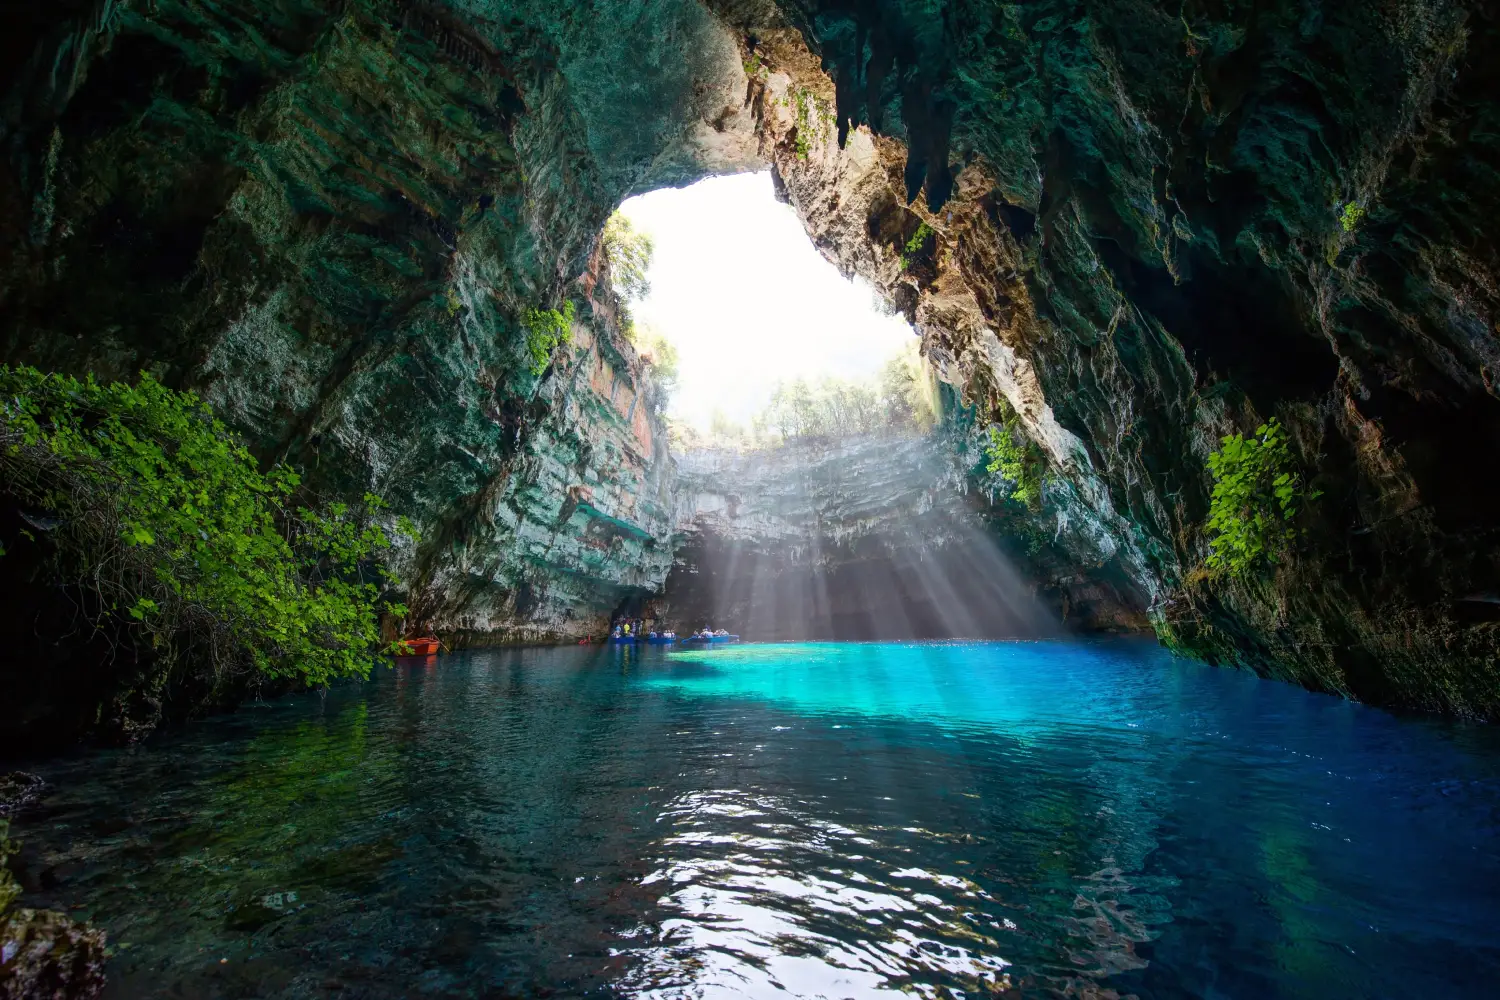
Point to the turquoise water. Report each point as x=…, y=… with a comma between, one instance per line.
x=816, y=820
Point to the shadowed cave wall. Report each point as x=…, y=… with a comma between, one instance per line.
x=328, y=217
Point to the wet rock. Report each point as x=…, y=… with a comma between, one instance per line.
x=329, y=220
x=872, y=538
x=18, y=789
x=48, y=956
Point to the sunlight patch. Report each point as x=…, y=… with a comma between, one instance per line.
x=738, y=290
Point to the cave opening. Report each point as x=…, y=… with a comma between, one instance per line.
x=819, y=493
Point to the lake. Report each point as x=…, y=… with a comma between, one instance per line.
x=1055, y=818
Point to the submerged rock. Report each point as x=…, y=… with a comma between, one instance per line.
x=46, y=955
x=19, y=789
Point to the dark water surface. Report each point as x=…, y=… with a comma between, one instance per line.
x=937, y=820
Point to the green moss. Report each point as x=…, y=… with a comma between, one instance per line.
x=814, y=119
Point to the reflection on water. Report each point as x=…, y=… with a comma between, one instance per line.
x=945, y=820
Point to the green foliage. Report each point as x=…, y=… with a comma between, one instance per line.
x=629, y=254
x=814, y=119
x=901, y=401
x=545, y=330
x=1351, y=217
x=168, y=528
x=909, y=390
x=915, y=245
x=1257, y=494
x=1020, y=464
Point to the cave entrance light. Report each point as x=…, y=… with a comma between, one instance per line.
x=748, y=303
x=802, y=533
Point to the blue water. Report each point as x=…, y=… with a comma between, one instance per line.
x=824, y=820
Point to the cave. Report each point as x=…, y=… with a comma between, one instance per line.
x=1204, y=311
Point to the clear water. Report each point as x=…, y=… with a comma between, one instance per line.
x=944, y=820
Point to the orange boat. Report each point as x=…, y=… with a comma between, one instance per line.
x=426, y=646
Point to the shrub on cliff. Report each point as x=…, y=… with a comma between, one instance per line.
x=1257, y=494
x=546, y=330
x=1019, y=464
x=163, y=526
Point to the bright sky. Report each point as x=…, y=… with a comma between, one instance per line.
x=737, y=287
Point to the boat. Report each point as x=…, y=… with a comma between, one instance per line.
x=624, y=638
x=661, y=640
x=424, y=646
x=699, y=640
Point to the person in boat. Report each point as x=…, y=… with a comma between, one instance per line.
x=616, y=633
x=721, y=631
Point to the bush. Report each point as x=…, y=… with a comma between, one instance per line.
x=545, y=330
x=161, y=520
x=1018, y=464
x=1351, y=217
x=915, y=245
x=1256, y=497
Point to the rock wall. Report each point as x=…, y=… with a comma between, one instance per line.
x=329, y=216
x=1155, y=225
x=868, y=538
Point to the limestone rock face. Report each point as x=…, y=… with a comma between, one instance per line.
x=1152, y=226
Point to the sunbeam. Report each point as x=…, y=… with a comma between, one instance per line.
x=800, y=542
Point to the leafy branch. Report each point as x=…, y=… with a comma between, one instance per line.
x=161, y=520
x=1019, y=464
x=915, y=245
x=1256, y=497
